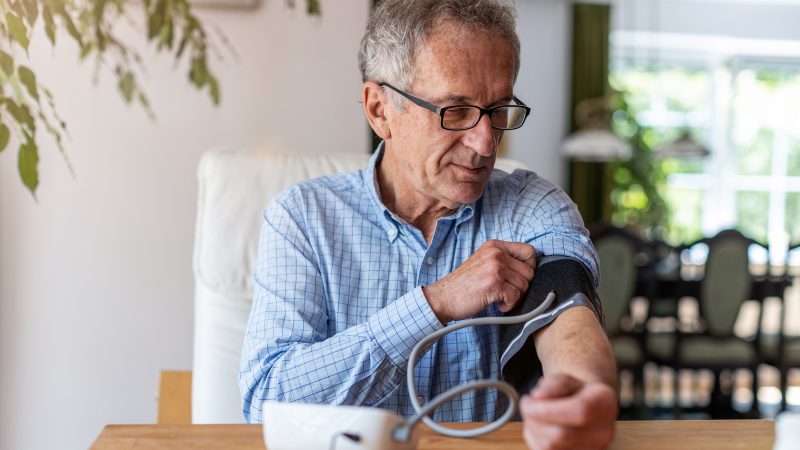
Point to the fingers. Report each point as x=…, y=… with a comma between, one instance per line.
x=498, y=273
x=554, y=386
x=520, y=251
x=517, y=256
x=513, y=265
x=594, y=402
x=518, y=266
x=519, y=280
x=582, y=419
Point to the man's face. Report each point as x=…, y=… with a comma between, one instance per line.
x=458, y=66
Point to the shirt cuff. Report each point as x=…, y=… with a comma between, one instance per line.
x=399, y=326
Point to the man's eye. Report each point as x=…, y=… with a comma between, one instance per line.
x=459, y=113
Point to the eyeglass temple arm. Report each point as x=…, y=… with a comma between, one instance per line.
x=417, y=101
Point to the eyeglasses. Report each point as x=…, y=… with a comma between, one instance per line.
x=464, y=117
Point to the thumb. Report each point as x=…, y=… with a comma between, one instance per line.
x=555, y=386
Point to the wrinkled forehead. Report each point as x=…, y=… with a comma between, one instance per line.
x=464, y=61
x=460, y=39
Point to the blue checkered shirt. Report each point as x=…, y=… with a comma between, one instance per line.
x=338, y=302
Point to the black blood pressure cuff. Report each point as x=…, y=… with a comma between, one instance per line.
x=569, y=279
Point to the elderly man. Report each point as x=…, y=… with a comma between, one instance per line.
x=354, y=269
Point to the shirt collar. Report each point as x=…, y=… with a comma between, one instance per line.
x=389, y=221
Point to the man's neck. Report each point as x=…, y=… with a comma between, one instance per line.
x=400, y=197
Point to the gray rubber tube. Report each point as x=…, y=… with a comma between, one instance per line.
x=403, y=433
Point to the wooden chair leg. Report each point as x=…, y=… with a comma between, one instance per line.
x=175, y=398
x=784, y=386
x=676, y=393
x=755, y=385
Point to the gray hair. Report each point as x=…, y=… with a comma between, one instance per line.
x=397, y=28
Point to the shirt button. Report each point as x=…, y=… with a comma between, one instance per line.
x=392, y=233
x=420, y=400
x=430, y=260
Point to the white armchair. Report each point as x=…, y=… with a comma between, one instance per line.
x=235, y=187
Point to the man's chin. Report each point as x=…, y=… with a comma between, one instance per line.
x=465, y=193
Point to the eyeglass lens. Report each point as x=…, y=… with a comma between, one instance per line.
x=464, y=117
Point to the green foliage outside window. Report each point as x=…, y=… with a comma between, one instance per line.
x=641, y=196
x=753, y=106
x=637, y=195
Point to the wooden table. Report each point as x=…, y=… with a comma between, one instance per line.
x=650, y=435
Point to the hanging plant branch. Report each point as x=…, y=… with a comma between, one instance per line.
x=26, y=104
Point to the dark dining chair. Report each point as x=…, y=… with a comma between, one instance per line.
x=725, y=286
x=617, y=249
x=788, y=356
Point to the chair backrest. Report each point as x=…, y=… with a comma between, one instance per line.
x=235, y=186
x=617, y=252
x=727, y=282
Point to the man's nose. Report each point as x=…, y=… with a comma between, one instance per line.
x=481, y=137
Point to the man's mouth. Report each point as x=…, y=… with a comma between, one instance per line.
x=469, y=169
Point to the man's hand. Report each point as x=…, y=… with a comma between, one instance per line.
x=498, y=272
x=562, y=412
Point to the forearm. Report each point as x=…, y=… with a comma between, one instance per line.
x=575, y=344
x=348, y=368
x=358, y=366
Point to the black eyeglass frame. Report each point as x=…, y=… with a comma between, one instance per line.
x=440, y=110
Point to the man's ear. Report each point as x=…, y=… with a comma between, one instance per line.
x=375, y=104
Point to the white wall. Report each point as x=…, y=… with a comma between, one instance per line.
x=544, y=28
x=95, y=278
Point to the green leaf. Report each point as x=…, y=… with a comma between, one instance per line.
x=71, y=28
x=85, y=50
x=213, y=89
x=49, y=24
x=127, y=85
x=28, y=78
x=17, y=29
x=155, y=20
x=182, y=45
x=28, y=164
x=313, y=8
x=99, y=10
x=6, y=64
x=22, y=115
x=31, y=11
x=166, y=36
x=5, y=135
x=16, y=6
x=57, y=137
x=198, y=72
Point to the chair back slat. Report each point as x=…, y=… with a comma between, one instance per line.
x=617, y=277
x=727, y=281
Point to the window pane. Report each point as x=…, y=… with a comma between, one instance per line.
x=667, y=98
x=754, y=153
x=752, y=214
x=764, y=121
x=685, y=207
x=793, y=163
x=793, y=216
